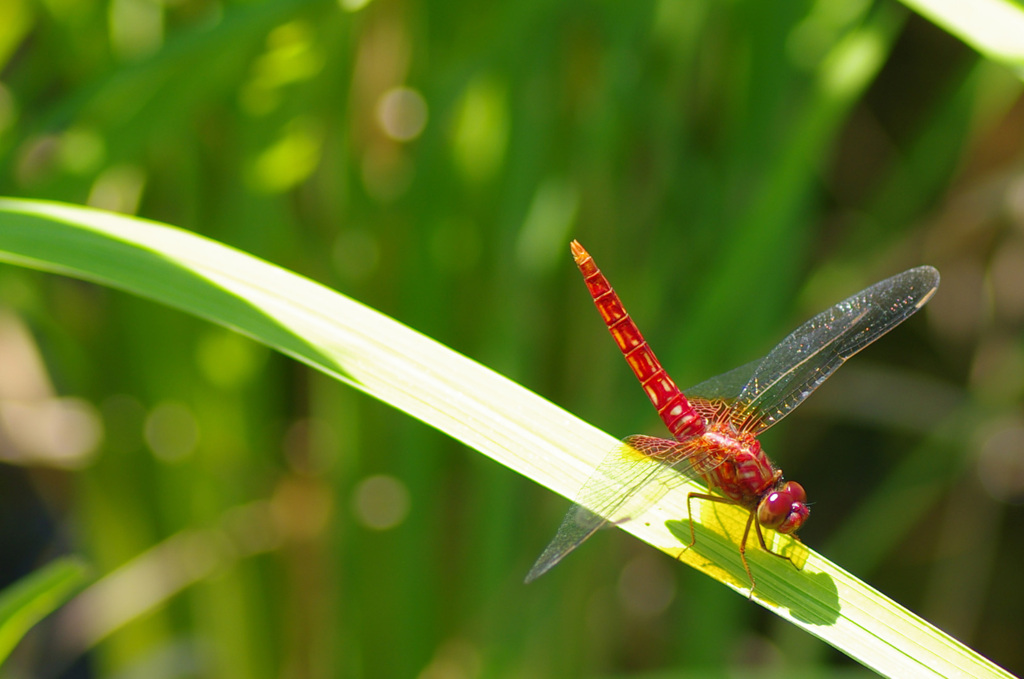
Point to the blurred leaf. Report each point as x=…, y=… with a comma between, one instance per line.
x=467, y=401
x=35, y=596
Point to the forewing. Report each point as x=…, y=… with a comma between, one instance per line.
x=632, y=477
x=815, y=350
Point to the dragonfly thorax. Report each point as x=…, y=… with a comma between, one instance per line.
x=747, y=473
x=748, y=478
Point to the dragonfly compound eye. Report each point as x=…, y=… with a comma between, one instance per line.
x=784, y=510
x=795, y=491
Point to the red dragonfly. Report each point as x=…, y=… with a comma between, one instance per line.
x=715, y=426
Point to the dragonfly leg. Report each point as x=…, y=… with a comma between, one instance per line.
x=743, y=551
x=689, y=510
x=743, y=541
x=764, y=546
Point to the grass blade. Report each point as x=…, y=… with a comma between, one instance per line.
x=993, y=27
x=35, y=596
x=469, y=402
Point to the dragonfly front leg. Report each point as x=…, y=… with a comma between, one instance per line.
x=764, y=545
x=746, y=531
x=743, y=540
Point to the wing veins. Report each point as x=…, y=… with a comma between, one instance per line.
x=793, y=369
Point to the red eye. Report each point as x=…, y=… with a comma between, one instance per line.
x=774, y=509
x=778, y=504
x=795, y=491
x=784, y=510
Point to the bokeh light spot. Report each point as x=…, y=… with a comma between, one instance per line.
x=353, y=5
x=402, y=113
x=302, y=508
x=646, y=587
x=136, y=27
x=290, y=160
x=1001, y=463
x=53, y=432
x=227, y=359
x=381, y=502
x=82, y=150
x=118, y=189
x=171, y=431
x=36, y=158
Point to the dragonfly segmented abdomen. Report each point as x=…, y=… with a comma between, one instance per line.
x=673, y=408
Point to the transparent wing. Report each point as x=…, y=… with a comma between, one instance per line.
x=803, y=361
x=725, y=387
x=632, y=477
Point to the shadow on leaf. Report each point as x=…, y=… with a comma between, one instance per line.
x=810, y=596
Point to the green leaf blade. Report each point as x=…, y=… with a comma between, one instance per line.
x=470, y=403
x=35, y=596
x=995, y=28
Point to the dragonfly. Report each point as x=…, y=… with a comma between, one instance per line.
x=715, y=424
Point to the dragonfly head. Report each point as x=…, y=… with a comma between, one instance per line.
x=784, y=510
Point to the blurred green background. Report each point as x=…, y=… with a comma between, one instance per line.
x=734, y=167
